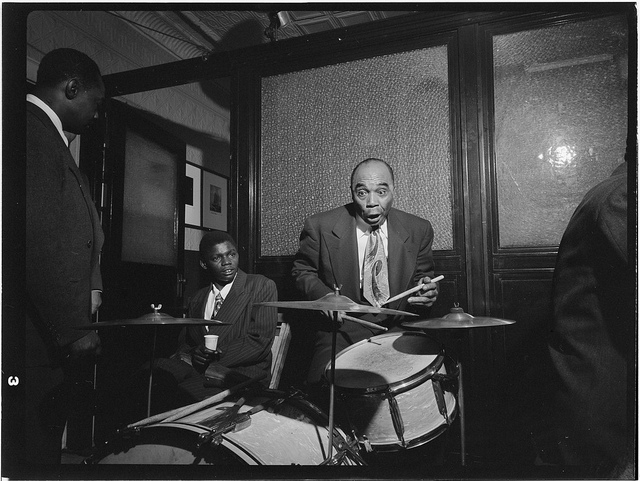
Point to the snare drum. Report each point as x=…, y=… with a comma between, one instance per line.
x=395, y=390
x=294, y=433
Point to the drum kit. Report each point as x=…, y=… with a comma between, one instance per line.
x=399, y=390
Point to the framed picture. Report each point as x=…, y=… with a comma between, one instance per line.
x=215, y=193
x=192, y=196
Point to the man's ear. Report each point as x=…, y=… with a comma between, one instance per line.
x=72, y=89
x=203, y=265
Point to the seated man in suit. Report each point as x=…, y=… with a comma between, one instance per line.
x=334, y=251
x=244, y=344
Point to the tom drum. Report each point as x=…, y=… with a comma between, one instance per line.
x=396, y=390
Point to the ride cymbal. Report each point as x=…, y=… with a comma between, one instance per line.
x=457, y=319
x=334, y=302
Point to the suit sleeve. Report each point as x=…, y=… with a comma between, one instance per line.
x=55, y=257
x=306, y=264
x=98, y=241
x=424, y=264
x=424, y=267
x=261, y=323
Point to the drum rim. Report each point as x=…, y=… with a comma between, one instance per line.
x=418, y=441
x=396, y=387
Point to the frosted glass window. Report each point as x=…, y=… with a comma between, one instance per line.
x=317, y=124
x=560, y=123
x=149, y=227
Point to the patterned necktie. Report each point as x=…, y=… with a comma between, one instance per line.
x=375, y=285
x=217, y=305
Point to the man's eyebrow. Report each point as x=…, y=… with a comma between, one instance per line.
x=362, y=184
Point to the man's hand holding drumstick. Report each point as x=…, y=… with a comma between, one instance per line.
x=427, y=292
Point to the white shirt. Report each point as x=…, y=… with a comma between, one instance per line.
x=211, y=300
x=363, y=231
x=50, y=113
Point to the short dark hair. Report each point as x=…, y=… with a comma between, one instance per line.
x=213, y=238
x=63, y=64
x=367, y=161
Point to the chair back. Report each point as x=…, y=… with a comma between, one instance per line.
x=279, y=351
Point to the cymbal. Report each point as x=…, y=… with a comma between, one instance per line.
x=154, y=319
x=334, y=302
x=181, y=321
x=457, y=319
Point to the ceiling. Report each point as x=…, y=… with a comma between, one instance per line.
x=192, y=33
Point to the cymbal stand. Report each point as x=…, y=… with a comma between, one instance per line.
x=153, y=355
x=463, y=444
x=334, y=332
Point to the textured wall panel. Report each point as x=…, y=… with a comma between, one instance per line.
x=317, y=124
x=561, y=123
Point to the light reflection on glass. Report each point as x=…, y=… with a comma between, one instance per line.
x=561, y=156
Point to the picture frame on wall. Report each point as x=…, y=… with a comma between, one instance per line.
x=193, y=196
x=215, y=204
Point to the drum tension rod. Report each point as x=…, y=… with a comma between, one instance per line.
x=396, y=418
x=437, y=390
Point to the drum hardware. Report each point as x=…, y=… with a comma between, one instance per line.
x=458, y=319
x=154, y=319
x=442, y=406
x=225, y=422
x=231, y=421
x=396, y=418
x=334, y=303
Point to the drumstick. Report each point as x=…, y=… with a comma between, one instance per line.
x=183, y=411
x=207, y=402
x=364, y=323
x=410, y=291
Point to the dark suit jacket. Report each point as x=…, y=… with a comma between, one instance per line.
x=592, y=343
x=328, y=255
x=246, y=342
x=64, y=239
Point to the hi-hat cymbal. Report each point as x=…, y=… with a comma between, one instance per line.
x=457, y=319
x=334, y=302
x=154, y=319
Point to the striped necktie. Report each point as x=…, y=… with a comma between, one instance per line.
x=217, y=305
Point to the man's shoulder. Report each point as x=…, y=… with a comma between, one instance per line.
x=331, y=215
x=259, y=279
x=408, y=219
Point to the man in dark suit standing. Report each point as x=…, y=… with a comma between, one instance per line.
x=244, y=343
x=334, y=252
x=592, y=340
x=64, y=239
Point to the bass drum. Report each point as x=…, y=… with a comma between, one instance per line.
x=293, y=433
x=396, y=389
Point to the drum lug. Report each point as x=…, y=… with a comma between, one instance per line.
x=396, y=418
x=367, y=444
x=442, y=405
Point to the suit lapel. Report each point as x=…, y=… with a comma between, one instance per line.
x=401, y=253
x=343, y=248
x=235, y=302
x=68, y=158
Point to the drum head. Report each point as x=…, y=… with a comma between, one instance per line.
x=393, y=360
